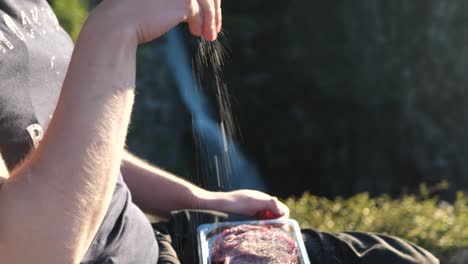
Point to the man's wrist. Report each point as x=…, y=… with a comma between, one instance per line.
x=106, y=22
x=210, y=200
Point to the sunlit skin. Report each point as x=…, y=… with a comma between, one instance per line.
x=68, y=184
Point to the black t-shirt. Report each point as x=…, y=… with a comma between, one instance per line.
x=34, y=56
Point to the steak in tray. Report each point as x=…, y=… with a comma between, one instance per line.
x=253, y=244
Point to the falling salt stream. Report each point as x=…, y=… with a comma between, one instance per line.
x=221, y=158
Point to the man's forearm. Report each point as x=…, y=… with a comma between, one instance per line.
x=53, y=204
x=159, y=192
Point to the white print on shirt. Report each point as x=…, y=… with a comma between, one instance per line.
x=12, y=26
x=37, y=134
x=35, y=15
x=4, y=43
x=52, y=62
x=31, y=27
x=30, y=32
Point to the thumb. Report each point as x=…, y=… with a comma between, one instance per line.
x=274, y=208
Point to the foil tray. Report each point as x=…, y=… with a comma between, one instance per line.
x=208, y=233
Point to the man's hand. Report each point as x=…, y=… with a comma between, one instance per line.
x=247, y=203
x=149, y=19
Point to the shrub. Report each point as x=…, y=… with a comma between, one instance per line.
x=71, y=14
x=438, y=226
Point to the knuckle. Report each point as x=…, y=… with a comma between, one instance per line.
x=192, y=8
x=273, y=200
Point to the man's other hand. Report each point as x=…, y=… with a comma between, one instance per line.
x=247, y=203
x=149, y=19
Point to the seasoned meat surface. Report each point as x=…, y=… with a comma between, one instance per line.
x=252, y=244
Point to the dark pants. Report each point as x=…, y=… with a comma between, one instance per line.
x=178, y=244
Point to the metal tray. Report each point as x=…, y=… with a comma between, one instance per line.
x=207, y=233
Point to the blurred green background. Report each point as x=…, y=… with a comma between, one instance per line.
x=334, y=98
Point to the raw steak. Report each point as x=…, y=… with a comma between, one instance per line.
x=251, y=244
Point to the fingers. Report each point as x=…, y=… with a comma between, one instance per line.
x=209, y=19
x=275, y=207
x=219, y=15
x=256, y=204
x=284, y=208
x=205, y=18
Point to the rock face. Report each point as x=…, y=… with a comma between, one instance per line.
x=340, y=97
x=160, y=129
x=334, y=97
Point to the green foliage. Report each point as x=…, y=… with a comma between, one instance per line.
x=438, y=226
x=71, y=14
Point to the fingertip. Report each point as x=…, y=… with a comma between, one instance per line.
x=209, y=32
x=279, y=212
x=284, y=210
x=278, y=208
x=210, y=35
